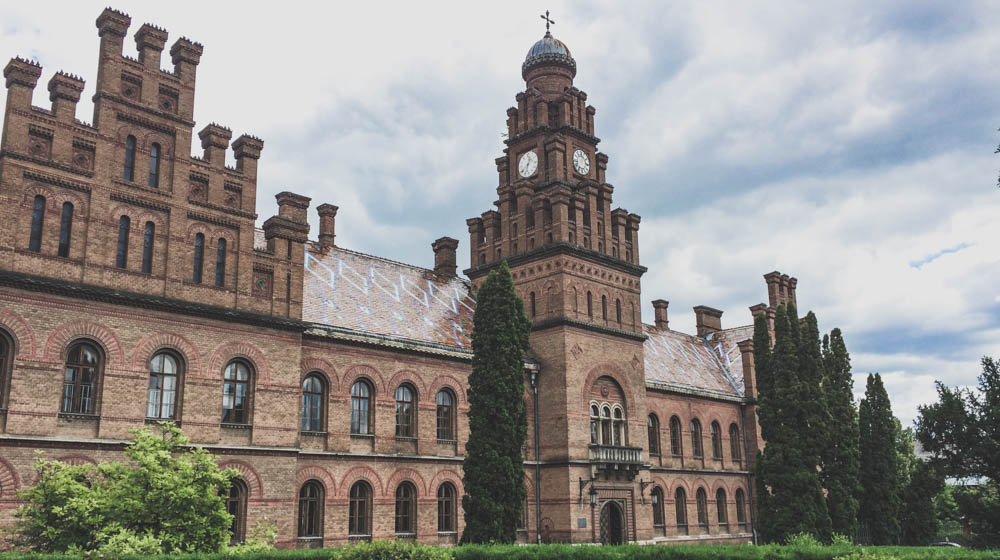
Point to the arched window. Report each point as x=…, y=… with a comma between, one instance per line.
x=311, y=510
x=681, y=510
x=618, y=311
x=590, y=305
x=534, y=310
x=359, y=518
x=405, y=424
x=702, y=500
x=653, y=430
x=220, y=263
x=154, y=165
x=37, y=224
x=6, y=358
x=65, y=229
x=716, y=431
x=619, y=427
x=83, y=363
x=129, y=174
x=164, y=372
x=361, y=423
x=696, y=447
x=734, y=443
x=595, y=424
x=312, y=404
x=236, y=394
x=656, y=499
x=121, y=256
x=446, y=508
x=482, y=258
x=546, y=212
x=606, y=425
x=406, y=509
x=445, y=415
x=741, y=513
x=720, y=508
x=148, y=236
x=604, y=308
x=236, y=505
x=199, y=257
x=675, y=437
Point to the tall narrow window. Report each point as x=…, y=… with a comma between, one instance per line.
x=406, y=509
x=734, y=444
x=720, y=508
x=681, y=510
x=199, y=257
x=361, y=408
x=446, y=508
x=404, y=412
x=5, y=367
x=445, y=415
x=236, y=394
x=312, y=404
x=236, y=505
x=716, y=440
x=82, y=364
x=653, y=430
x=359, y=518
x=696, y=447
x=533, y=309
x=595, y=424
x=65, y=229
x=148, y=237
x=311, y=510
x=604, y=308
x=675, y=436
x=619, y=436
x=606, y=426
x=129, y=174
x=37, y=224
x=590, y=305
x=702, y=501
x=161, y=402
x=220, y=263
x=154, y=165
x=618, y=311
x=121, y=256
x=741, y=512
x=656, y=498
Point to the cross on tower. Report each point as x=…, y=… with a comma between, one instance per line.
x=548, y=21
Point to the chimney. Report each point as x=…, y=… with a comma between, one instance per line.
x=707, y=320
x=792, y=282
x=64, y=92
x=247, y=149
x=444, y=256
x=773, y=280
x=660, y=313
x=293, y=207
x=327, y=221
x=149, y=41
x=215, y=140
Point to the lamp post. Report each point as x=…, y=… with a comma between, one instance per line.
x=533, y=369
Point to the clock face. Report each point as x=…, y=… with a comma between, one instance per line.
x=528, y=164
x=581, y=162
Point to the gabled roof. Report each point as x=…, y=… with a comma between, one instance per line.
x=706, y=365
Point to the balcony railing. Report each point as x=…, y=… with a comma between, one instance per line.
x=615, y=459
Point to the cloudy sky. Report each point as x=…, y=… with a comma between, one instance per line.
x=848, y=144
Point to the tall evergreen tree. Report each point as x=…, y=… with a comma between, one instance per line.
x=494, y=468
x=814, y=414
x=790, y=496
x=840, y=456
x=879, y=474
x=918, y=518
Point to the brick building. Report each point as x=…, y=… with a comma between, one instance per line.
x=135, y=287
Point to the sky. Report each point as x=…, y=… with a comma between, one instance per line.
x=848, y=144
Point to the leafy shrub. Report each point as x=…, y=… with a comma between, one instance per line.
x=841, y=540
x=867, y=555
x=801, y=539
x=393, y=550
x=126, y=541
x=261, y=539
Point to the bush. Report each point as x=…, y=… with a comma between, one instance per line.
x=801, y=539
x=838, y=539
x=393, y=550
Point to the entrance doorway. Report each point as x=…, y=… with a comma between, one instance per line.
x=612, y=524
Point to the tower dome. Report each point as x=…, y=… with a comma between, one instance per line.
x=548, y=51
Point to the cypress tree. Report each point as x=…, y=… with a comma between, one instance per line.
x=879, y=473
x=493, y=466
x=918, y=517
x=840, y=456
x=815, y=416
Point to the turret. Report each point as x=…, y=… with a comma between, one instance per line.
x=247, y=151
x=149, y=41
x=64, y=92
x=186, y=54
x=215, y=140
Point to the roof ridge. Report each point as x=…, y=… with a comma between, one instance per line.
x=383, y=259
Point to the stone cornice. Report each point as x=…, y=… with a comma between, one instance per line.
x=567, y=322
x=556, y=249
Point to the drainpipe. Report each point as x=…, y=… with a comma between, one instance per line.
x=533, y=370
x=750, y=483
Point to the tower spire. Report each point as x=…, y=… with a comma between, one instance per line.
x=548, y=21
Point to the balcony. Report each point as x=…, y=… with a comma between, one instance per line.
x=613, y=460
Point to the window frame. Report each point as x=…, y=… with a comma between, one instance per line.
x=721, y=508
x=356, y=419
x=697, y=445
x=741, y=514
x=148, y=241
x=595, y=424
x=65, y=229
x=653, y=434
x=676, y=437
x=656, y=500
x=405, y=509
x=735, y=444
x=701, y=500
x=178, y=384
x=6, y=365
x=247, y=402
x=313, y=402
x=446, y=516
x=359, y=510
x=716, y=432
x=198, y=265
x=309, y=517
x=76, y=397
x=121, y=253
x=220, y=263
x=239, y=503
x=155, y=155
x=680, y=509
x=406, y=411
x=37, y=230
x=445, y=415
x=128, y=171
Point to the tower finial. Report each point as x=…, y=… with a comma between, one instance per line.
x=548, y=21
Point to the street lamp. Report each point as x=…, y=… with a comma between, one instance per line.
x=593, y=496
x=533, y=368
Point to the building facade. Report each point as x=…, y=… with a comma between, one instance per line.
x=136, y=288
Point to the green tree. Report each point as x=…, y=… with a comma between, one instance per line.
x=790, y=496
x=840, y=457
x=962, y=433
x=494, y=468
x=879, y=475
x=166, y=498
x=918, y=519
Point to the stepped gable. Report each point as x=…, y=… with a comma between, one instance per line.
x=374, y=296
x=676, y=360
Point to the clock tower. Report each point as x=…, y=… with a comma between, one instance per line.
x=575, y=262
